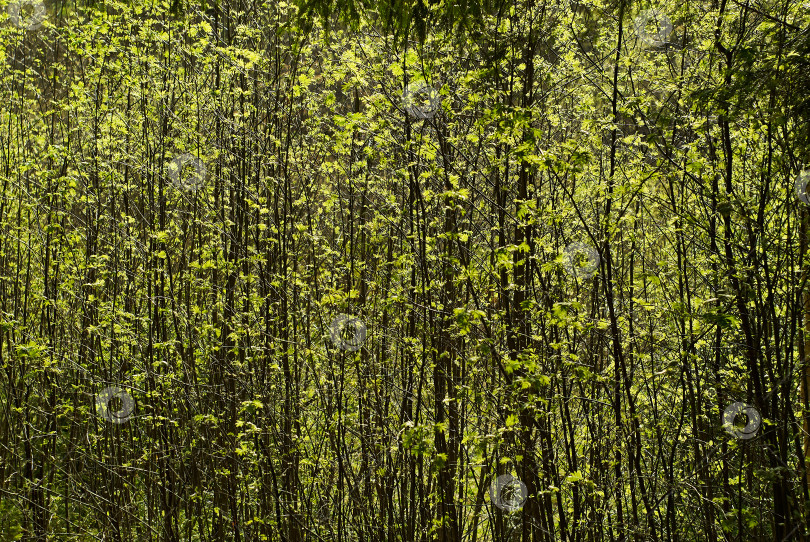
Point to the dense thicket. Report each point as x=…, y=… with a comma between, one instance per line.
x=326, y=270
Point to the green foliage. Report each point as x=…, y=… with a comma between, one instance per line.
x=10, y=522
x=193, y=195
